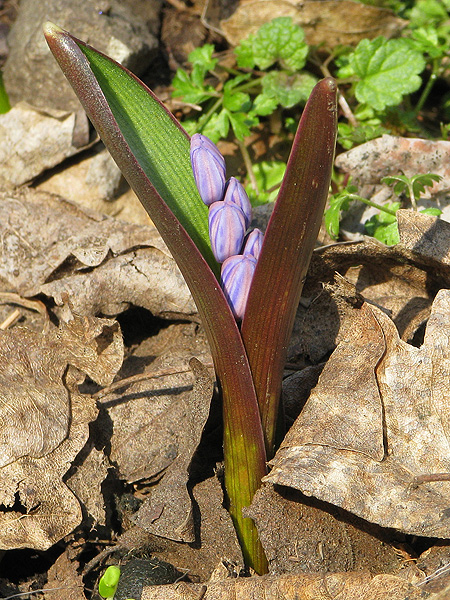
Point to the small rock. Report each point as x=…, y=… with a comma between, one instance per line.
x=32, y=74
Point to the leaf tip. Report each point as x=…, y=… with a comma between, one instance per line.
x=51, y=30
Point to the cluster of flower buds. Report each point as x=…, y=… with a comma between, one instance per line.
x=230, y=214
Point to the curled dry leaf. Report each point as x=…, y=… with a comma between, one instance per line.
x=317, y=586
x=378, y=418
x=332, y=22
x=54, y=247
x=44, y=423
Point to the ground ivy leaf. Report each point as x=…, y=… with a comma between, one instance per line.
x=388, y=69
x=288, y=89
x=240, y=122
x=280, y=39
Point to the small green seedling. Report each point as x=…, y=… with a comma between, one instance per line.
x=109, y=581
x=382, y=226
x=413, y=187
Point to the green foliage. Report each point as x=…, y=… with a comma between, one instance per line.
x=240, y=98
x=4, y=100
x=337, y=203
x=108, y=582
x=280, y=40
x=383, y=226
x=268, y=176
x=414, y=186
x=386, y=71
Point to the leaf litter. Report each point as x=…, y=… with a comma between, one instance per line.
x=362, y=302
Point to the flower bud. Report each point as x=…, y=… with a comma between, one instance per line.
x=208, y=166
x=226, y=229
x=235, y=192
x=236, y=276
x=253, y=243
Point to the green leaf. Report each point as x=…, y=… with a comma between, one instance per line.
x=268, y=174
x=338, y=203
x=288, y=89
x=427, y=12
x=384, y=226
x=434, y=212
x=416, y=184
x=279, y=40
x=387, y=234
x=218, y=126
x=108, y=582
x=202, y=57
x=240, y=122
x=387, y=69
x=264, y=105
x=4, y=100
x=236, y=101
x=191, y=92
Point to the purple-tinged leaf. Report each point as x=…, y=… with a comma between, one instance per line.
x=235, y=192
x=286, y=251
x=236, y=276
x=208, y=166
x=226, y=229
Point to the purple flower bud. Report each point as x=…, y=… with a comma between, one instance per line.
x=226, y=229
x=236, y=276
x=253, y=243
x=208, y=166
x=234, y=192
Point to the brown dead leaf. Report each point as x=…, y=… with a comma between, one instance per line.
x=336, y=586
x=332, y=22
x=400, y=281
x=44, y=423
x=168, y=511
x=51, y=246
x=64, y=581
x=425, y=235
x=361, y=439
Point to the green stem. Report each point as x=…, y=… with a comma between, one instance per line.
x=370, y=203
x=207, y=115
x=427, y=88
x=248, y=165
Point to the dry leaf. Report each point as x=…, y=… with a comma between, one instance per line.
x=168, y=511
x=53, y=247
x=44, y=423
x=425, y=235
x=64, y=581
x=332, y=22
x=34, y=140
x=337, y=586
x=378, y=418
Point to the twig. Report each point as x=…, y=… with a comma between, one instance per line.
x=140, y=377
x=36, y=305
x=11, y=319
